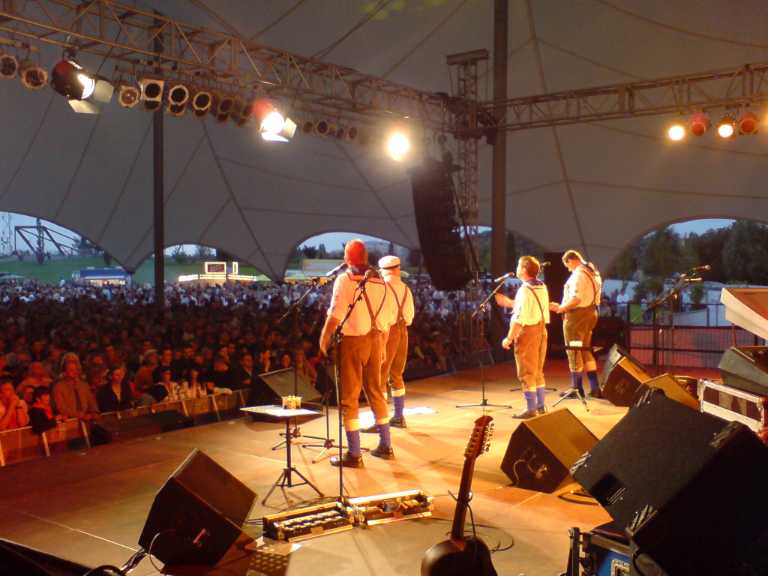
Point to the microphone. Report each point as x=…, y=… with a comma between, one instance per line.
x=704, y=268
x=504, y=277
x=692, y=280
x=545, y=263
x=340, y=268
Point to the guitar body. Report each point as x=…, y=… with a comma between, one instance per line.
x=450, y=558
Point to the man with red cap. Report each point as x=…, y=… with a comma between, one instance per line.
x=362, y=348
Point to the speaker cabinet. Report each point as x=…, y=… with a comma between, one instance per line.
x=542, y=450
x=622, y=376
x=687, y=487
x=674, y=388
x=111, y=429
x=197, y=514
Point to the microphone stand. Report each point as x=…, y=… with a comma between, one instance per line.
x=336, y=347
x=293, y=310
x=668, y=297
x=480, y=313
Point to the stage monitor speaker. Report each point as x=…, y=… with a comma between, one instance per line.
x=439, y=228
x=542, y=450
x=687, y=487
x=17, y=559
x=197, y=514
x=622, y=377
x=109, y=429
x=674, y=388
x=281, y=383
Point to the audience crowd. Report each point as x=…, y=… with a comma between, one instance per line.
x=73, y=351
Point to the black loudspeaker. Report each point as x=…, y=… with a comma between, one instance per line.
x=17, y=559
x=622, y=377
x=542, y=450
x=687, y=487
x=197, y=514
x=281, y=383
x=555, y=277
x=675, y=388
x=106, y=430
x=439, y=228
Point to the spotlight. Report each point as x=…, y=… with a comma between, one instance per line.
x=748, y=123
x=676, y=132
x=201, y=103
x=322, y=128
x=699, y=124
x=128, y=96
x=352, y=133
x=308, y=127
x=242, y=112
x=151, y=93
x=178, y=95
x=33, y=77
x=223, y=108
x=726, y=128
x=398, y=145
x=9, y=66
x=70, y=80
x=341, y=132
x=277, y=128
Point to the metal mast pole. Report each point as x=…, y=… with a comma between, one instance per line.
x=499, y=198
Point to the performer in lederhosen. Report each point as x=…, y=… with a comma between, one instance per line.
x=393, y=366
x=362, y=348
x=581, y=298
x=528, y=334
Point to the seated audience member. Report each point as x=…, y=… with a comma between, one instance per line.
x=13, y=410
x=27, y=393
x=243, y=373
x=36, y=376
x=72, y=397
x=220, y=377
x=41, y=414
x=305, y=368
x=166, y=389
x=115, y=395
x=195, y=388
x=144, y=380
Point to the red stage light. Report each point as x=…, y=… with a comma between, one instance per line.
x=748, y=123
x=699, y=124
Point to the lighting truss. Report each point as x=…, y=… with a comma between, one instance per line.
x=128, y=34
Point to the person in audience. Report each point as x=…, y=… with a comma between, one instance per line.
x=13, y=410
x=36, y=376
x=41, y=415
x=27, y=393
x=116, y=394
x=72, y=396
x=243, y=374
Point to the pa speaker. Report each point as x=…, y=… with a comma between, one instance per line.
x=16, y=559
x=542, y=450
x=687, y=487
x=622, y=377
x=674, y=388
x=439, y=229
x=197, y=514
x=110, y=429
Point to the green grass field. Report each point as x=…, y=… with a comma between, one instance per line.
x=53, y=271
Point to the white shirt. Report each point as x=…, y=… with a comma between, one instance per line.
x=526, y=310
x=359, y=322
x=404, y=297
x=584, y=284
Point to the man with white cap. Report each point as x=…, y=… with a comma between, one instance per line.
x=362, y=349
x=397, y=340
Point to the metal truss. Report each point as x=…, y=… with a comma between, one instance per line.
x=130, y=35
x=733, y=88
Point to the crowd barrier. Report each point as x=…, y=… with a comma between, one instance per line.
x=22, y=444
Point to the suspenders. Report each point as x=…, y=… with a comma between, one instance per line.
x=541, y=309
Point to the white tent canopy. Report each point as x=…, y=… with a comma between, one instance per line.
x=595, y=187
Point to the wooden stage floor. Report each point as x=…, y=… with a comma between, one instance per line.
x=90, y=507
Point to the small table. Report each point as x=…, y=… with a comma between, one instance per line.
x=286, y=415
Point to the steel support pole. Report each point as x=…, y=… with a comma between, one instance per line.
x=158, y=197
x=499, y=179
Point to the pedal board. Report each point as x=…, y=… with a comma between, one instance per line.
x=391, y=507
x=309, y=522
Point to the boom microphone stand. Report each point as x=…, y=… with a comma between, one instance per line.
x=480, y=313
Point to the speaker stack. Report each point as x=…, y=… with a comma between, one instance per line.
x=686, y=487
x=439, y=228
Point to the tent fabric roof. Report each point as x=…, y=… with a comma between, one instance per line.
x=594, y=186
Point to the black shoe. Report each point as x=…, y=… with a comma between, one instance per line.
x=348, y=461
x=371, y=429
x=541, y=410
x=397, y=422
x=525, y=415
x=597, y=394
x=384, y=452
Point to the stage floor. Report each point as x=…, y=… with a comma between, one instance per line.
x=90, y=507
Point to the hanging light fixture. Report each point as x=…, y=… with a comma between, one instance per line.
x=33, y=77
x=9, y=66
x=128, y=96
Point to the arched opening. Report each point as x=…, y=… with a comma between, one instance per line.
x=316, y=253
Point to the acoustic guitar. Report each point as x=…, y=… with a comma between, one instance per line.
x=461, y=556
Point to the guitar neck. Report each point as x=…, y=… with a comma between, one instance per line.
x=462, y=501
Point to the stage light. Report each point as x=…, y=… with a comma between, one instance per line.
x=151, y=93
x=676, y=132
x=699, y=124
x=242, y=111
x=726, y=128
x=222, y=108
x=352, y=133
x=128, y=96
x=322, y=128
x=70, y=80
x=748, y=124
x=308, y=127
x=9, y=66
x=277, y=128
x=178, y=96
x=33, y=77
x=201, y=103
x=398, y=145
